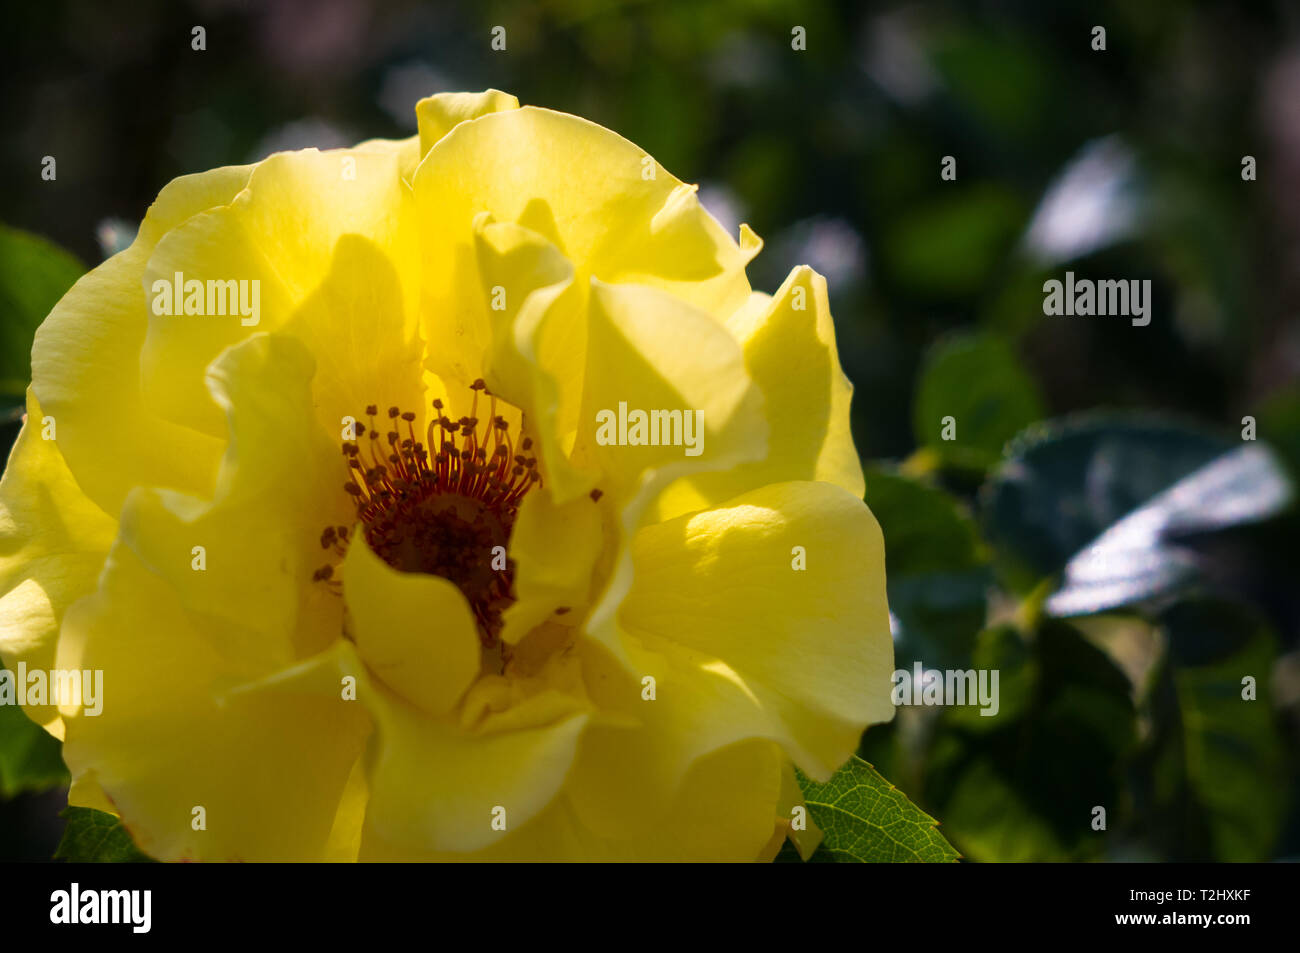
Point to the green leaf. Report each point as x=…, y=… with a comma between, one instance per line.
x=1021, y=785
x=34, y=275
x=865, y=819
x=999, y=649
x=1003, y=84
x=1278, y=422
x=788, y=854
x=30, y=758
x=1106, y=500
x=926, y=531
x=1233, y=762
x=938, y=575
x=96, y=837
x=977, y=380
x=951, y=246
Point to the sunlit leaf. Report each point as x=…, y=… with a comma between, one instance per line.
x=1108, y=502
x=97, y=837
x=865, y=819
x=1093, y=203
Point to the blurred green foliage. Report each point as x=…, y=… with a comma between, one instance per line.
x=34, y=275
x=1123, y=163
x=30, y=759
x=975, y=379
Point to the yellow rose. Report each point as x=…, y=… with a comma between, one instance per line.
x=351, y=500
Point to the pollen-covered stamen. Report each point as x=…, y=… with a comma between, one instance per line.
x=441, y=507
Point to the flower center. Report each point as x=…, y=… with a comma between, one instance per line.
x=449, y=514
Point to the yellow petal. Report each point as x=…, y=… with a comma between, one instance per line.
x=407, y=150
x=414, y=631
x=790, y=352
x=436, y=786
x=722, y=813
x=250, y=586
x=726, y=583
x=363, y=336
x=86, y=792
x=281, y=231
x=53, y=541
x=344, y=842
x=85, y=361
x=554, y=549
x=603, y=203
x=565, y=357
x=438, y=115
x=267, y=768
x=433, y=782
x=807, y=839
x=647, y=351
x=534, y=335
x=742, y=645
x=528, y=339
